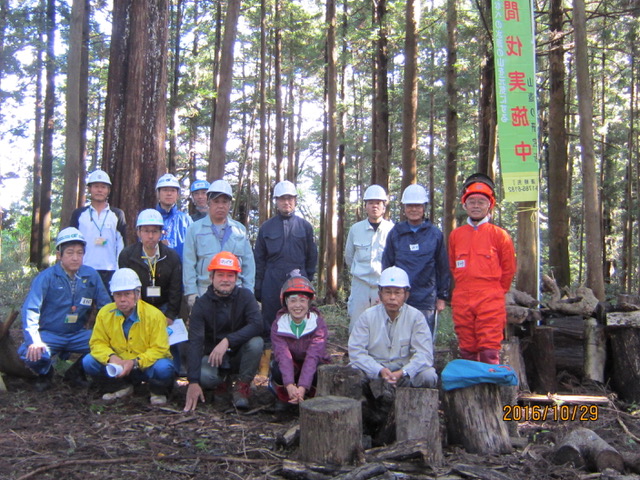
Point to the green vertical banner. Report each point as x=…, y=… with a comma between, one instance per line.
x=517, y=109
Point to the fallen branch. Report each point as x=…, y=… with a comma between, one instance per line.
x=107, y=461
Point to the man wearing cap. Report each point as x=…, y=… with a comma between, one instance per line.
x=483, y=262
x=57, y=309
x=175, y=221
x=215, y=233
x=103, y=226
x=363, y=253
x=158, y=266
x=199, y=198
x=391, y=341
x=285, y=242
x=131, y=334
x=417, y=246
x=224, y=335
x=391, y=345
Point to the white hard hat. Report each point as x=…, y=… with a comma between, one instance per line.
x=124, y=279
x=219, y=187
x=150, y=216
x=414, y=194
x=98, y=176
x=284, y=187
x=168, y=180
x=394, y=277
x=69, y=234
x=375, y=192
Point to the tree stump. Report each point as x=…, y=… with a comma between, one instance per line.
x=416, y=412
x=511, y=355
x=595, y=350
x=10, y=362
x=330, y=430
x=583, y=447
x=339, y=380
x=625, y=350
x=543, y=360
x=474, y=419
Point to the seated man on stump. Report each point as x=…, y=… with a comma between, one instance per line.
x=130, y=343
x=57, y=309
x=391, y=343
x=225, y=335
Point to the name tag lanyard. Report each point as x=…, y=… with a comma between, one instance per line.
x=73, y=283
x=100, y=228
x=152, y=263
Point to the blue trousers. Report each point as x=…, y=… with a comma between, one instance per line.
x=57, y=344
x=160, y=375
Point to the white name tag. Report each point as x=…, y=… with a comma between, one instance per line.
x=414, y=247
x=460, y=264
x=153, y=291
x=86, y=301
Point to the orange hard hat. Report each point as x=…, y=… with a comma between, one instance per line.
x=297, y=285
x=481, y=188
x=225, y=261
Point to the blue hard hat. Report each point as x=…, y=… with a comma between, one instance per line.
x=199, y=185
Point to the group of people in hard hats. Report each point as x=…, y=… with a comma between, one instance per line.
x=241, y=301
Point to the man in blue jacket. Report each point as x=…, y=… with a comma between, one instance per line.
x=57, y=308
x=417, y=246
x=175, y=221
x=285, y=243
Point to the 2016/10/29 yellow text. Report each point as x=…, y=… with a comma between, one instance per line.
x=563, y=413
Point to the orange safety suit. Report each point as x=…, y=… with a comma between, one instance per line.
x=483, y=262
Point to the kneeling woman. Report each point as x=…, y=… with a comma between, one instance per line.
x=298, y=339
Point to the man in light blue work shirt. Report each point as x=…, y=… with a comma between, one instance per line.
x=363, y=253
x=57, y=309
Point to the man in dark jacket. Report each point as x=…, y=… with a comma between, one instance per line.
x=285, y=243
x=158, y=266
x=417, y=247
x=224, y=335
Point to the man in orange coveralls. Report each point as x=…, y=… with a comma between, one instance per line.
x=482, y=259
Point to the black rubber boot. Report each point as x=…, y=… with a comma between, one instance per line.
x=75, y=375
x=44, y=382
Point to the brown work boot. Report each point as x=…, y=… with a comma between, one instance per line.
x=241, y=392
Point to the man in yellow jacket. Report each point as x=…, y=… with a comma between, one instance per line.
x=130, y=343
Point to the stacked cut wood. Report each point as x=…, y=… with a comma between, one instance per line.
x=623, y=331
x=521, y=308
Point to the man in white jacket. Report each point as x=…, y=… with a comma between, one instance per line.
x=363, y=253
x=391, y=342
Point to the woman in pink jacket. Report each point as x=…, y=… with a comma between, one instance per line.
x=298, y=339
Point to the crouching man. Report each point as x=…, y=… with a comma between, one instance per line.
x=391, y=344
x=57, y=309
x=225, y=335
x=130, y=343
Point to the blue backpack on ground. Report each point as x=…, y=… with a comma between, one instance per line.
x=465, y=373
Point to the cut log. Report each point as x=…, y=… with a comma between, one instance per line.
x=568, y=344
x=364, y=472
x=632, y=461
x=416, y=413
x=517, y=315
x=321, y=440
x=623, y=319
x=293, y=470
x=10, y=362
x=290, y=438
x=474, y=419
x=543, y=360
x=581, y=302
x=339, y=380
x=595, y=350
x=583, y=447
x=516, y=297
x=511, y=354
x=416, y=450
x=625, y=353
